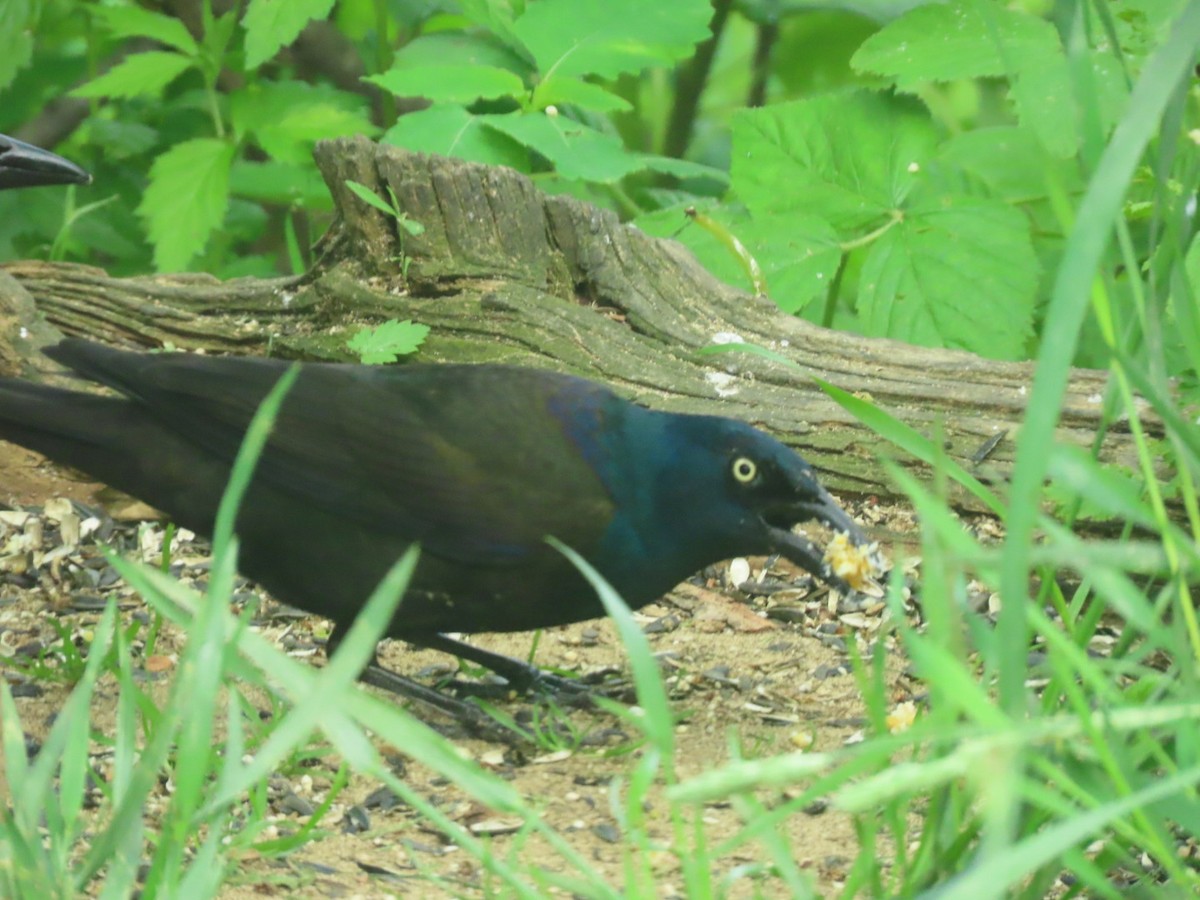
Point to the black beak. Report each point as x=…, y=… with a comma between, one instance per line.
x=820, y=507
x=23, y=165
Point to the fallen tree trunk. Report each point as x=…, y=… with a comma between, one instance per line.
x=505, y=273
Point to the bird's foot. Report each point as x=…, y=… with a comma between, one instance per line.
x=470, y=718
x=574, y=693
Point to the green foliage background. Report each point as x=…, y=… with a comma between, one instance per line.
x=896, y=169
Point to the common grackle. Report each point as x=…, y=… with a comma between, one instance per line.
x=23, y=165
x=479, y=463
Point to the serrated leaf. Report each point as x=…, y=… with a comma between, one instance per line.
x=16, y=39
x=452, y=131
x=186, y=199
x=611, y=37
x=271, y=24
x=1045, y=102
x=799, y=257
x=121, y=139
x=450, y=84
x=945, y=42
x=287, y=118
x=967, y=39
x=557, y=90
x=495, y=18
x=959, y=273
x=576, y=150
x=1011, y=161
x=850, y=159
x=387, y=342
x=681, y=168
x=133, y=21
x=462, y=48
x=140, y=75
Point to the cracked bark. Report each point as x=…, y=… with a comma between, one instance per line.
x=505, y=273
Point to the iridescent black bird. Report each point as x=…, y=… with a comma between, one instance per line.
x=479, y=463
x=23, y=165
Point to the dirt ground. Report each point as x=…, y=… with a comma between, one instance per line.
x=769, y=670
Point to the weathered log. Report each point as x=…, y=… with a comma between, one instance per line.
x=504, y=272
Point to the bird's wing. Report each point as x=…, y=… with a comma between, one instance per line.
x=472, y=461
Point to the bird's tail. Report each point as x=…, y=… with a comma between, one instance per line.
x=85, y=431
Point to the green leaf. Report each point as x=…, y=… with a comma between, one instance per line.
x=282, y=183
x=461, y=48
x=1010, y=161
x=287, y=118
x=133, y=21
x=388, y=341
x=557, y=90
x=271, y=24
x=372, y=199
x=140, y=75
x=945, y=42
x=957, y=273
x=576, y=150
x=186, y=199
x=16, y=39
x=122, y=139
x=968, y=39
x=450, y=84
x=452, y=131
x=611, y=37
x=1045, y=100
x=798, y=257
x=496, y=17
x=681, y=168
x=850, y=158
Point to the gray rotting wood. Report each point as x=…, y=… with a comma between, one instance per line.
x=503, y=272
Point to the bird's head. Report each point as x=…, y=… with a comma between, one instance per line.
x=739, y=491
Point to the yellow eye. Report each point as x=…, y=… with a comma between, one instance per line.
x=744, y=470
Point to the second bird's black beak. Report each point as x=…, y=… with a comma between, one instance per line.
x=24, y=165
x=818, y=506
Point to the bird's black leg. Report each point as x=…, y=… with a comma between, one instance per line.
x=521, y=676
x=470, y=716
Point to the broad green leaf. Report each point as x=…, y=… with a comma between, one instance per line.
x=1045, y=102
x=133, y=21
x=944, y=42
x=287, y=118
x=271, y=24
x=387, y=342
x=121, y=138
x=16, y=39
x=960, y=272
x=558, y=90
x=186, y=199
x=681, y=168
x=452, y=131
x=970, y=39
x=1010, y=160
x=450, y=84
x=576, y=150
x=496, y=17
x=611, y=37
x=140, y=75
x=283, y=183
x=850, y=159
x=798, y=257
x=460, y=48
